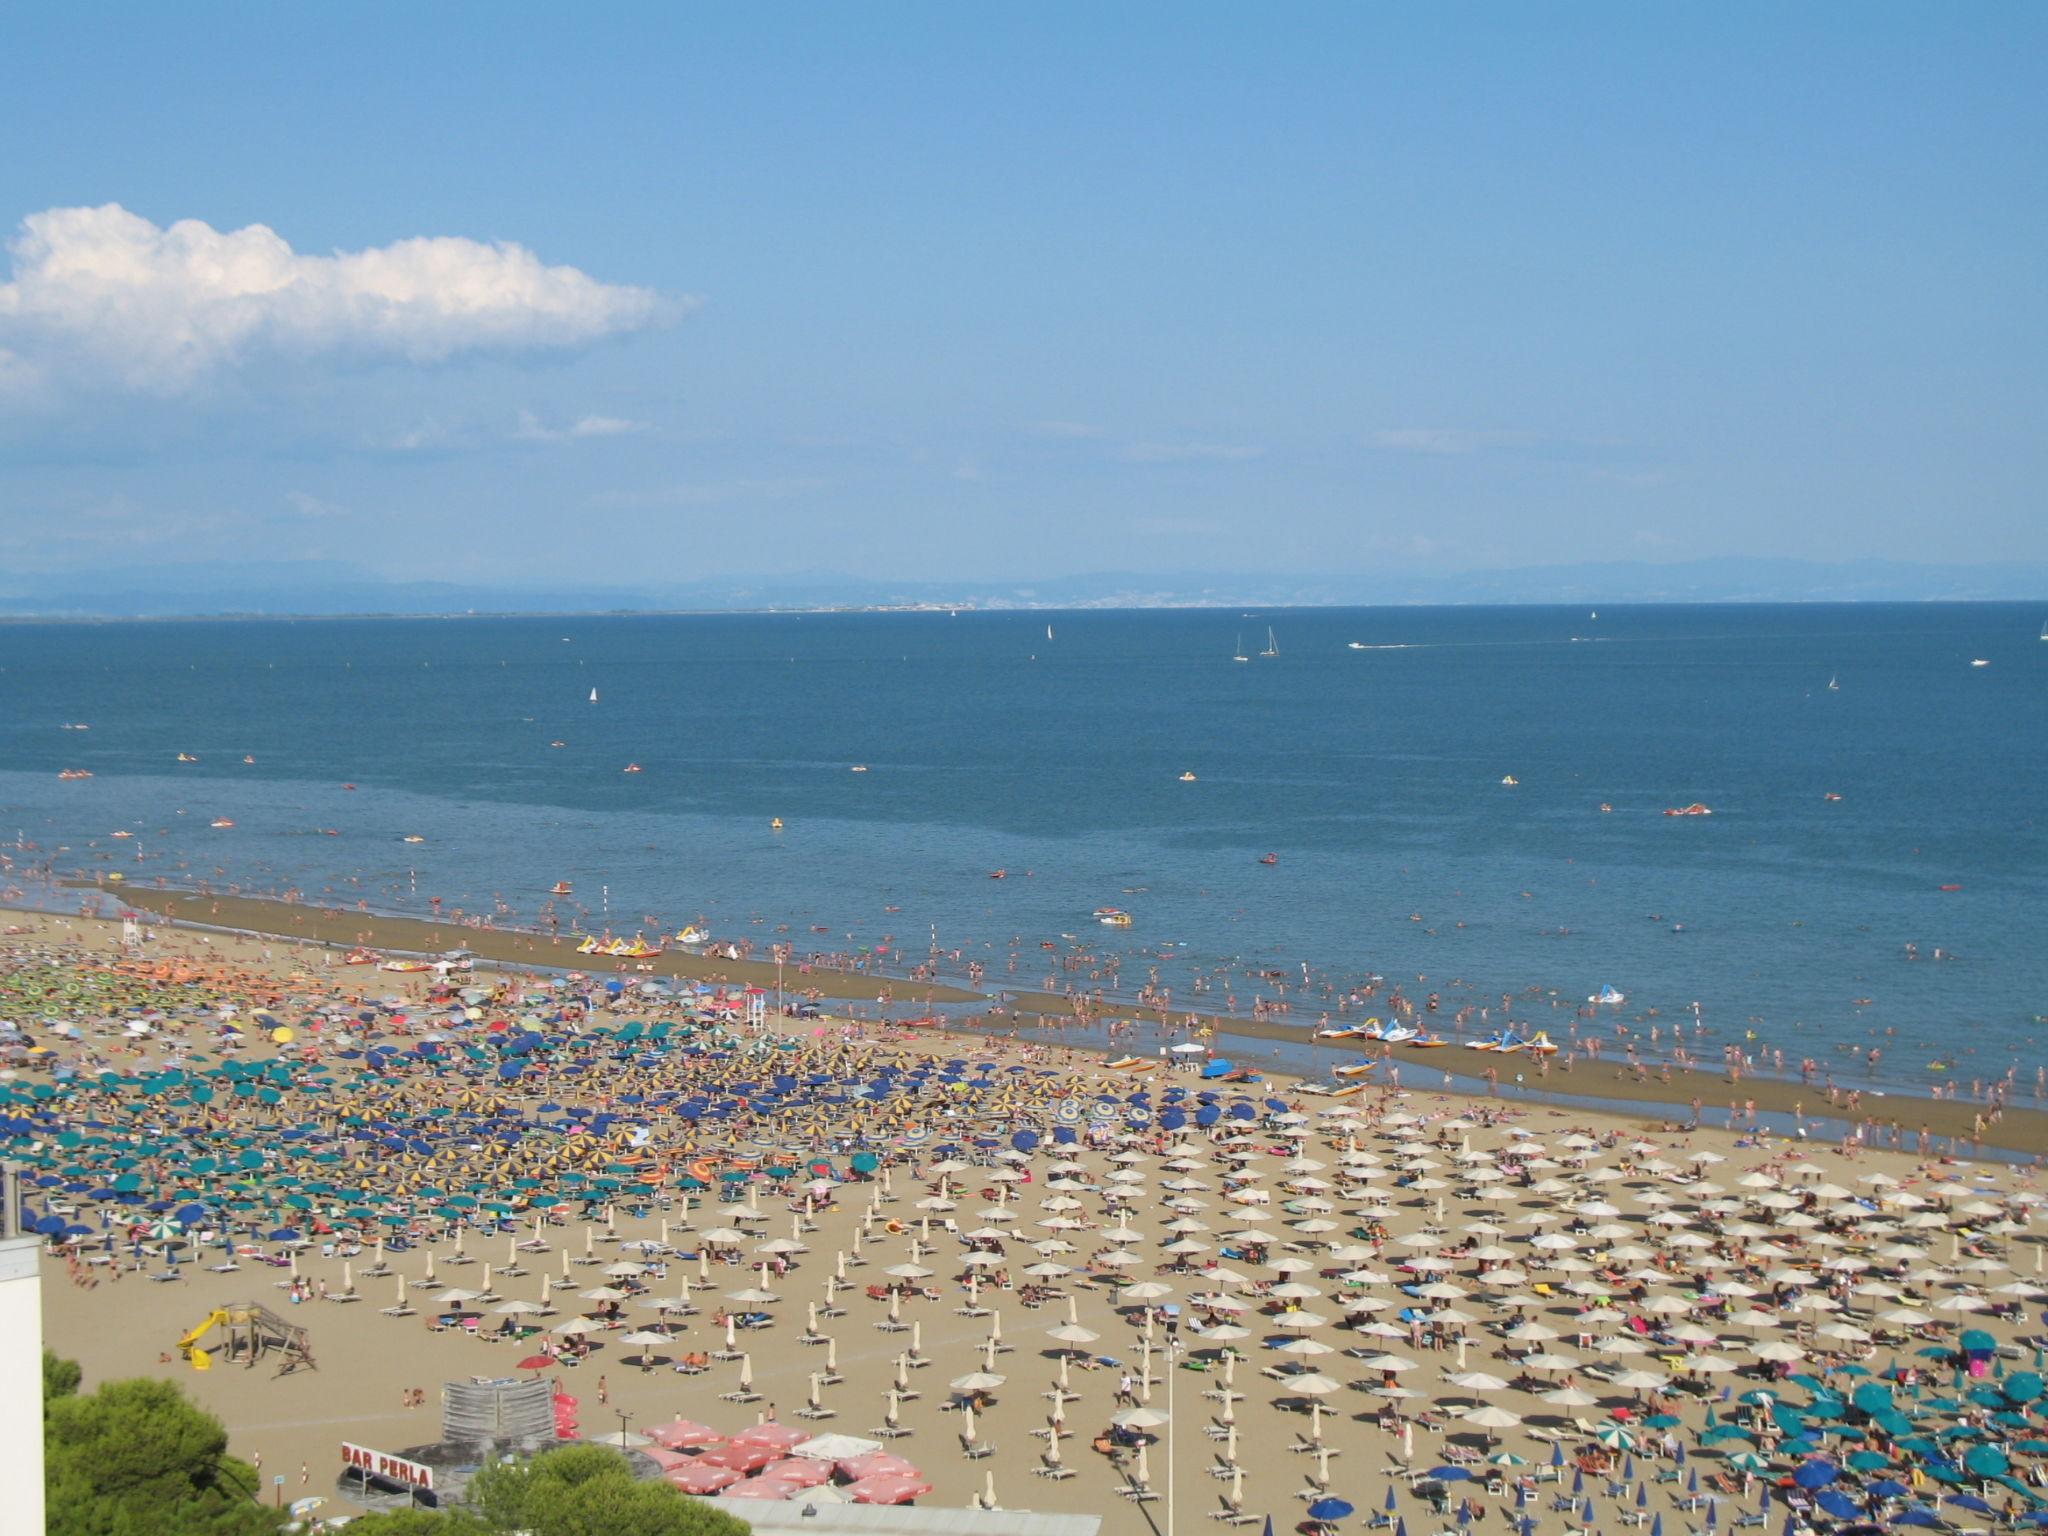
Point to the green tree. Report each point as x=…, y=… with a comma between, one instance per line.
x=60, y=1378
x=136, y=1459
x=587, y=1490
x=420, y=1522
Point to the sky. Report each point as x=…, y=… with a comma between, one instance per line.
x=642, y=294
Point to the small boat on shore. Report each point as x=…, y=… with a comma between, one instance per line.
x=1355, y=1068
x=692, y=934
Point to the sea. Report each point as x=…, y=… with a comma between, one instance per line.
x=1464, y=801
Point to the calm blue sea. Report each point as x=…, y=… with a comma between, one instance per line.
x=1374, y=775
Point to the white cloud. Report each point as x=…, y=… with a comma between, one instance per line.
x=306, y=504
x=1067, y=429
x=532, y=429
x=1181, y=453
x=1447, y=440
x=104, y=295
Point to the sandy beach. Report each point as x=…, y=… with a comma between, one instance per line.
x=1383, y=1266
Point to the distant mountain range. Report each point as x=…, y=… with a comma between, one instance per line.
x=325, y=589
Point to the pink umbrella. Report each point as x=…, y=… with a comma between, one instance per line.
x=743, y=1459
x=886, y=1490
x=777, y=1437
x=685, y=1435
x=874, y=1464
x=701, y=1479
x=668, y=1461
x=800, y=1471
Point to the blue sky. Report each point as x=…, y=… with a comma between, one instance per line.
x=1008, y=291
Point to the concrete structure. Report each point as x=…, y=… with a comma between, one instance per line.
x=21, y=1370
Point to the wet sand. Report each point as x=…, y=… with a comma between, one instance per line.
x=2022, y=1128
x=339, y=926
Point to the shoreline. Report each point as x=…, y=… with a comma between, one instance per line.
x=1046, y=1017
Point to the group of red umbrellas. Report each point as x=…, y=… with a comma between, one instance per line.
x=757, y=1463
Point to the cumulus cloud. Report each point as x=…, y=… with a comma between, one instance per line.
x=105, y=296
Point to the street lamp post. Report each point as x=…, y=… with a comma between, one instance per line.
x=1172, y=1427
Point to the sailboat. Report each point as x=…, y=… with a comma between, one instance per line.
x=1272, y=645
x=1048, y=631
x=2044, y=631
x=593, y=695
x=1240, y=655
x=1834, y=683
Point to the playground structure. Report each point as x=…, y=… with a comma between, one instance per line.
x=490, y=1418
x=252, y=1331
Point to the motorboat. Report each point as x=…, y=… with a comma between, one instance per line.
x=1187, y=778
x=1695, y=809
x=1611, y=996
x=222, y=822
x=74, y=773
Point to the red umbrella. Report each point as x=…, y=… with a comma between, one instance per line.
x=534, y=1363
x=700, y=1479
x=668, y=1461
x=776, y=1437
x=800, y=1471
x=874, y=1464
x=758, y=1488
x=685, y=1435
x=741, y=1458
x=886, y=1490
